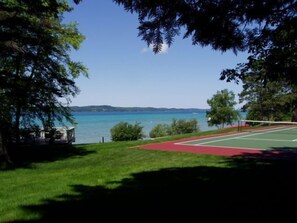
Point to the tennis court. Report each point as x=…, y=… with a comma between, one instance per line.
x=273, y=139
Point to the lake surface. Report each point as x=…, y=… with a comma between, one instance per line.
x=93, y=126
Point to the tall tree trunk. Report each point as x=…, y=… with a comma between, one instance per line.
x=4, y=157
x=294, y=114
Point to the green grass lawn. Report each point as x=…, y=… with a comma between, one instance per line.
x=116, y=182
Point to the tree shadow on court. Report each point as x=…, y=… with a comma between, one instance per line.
x=26, y=156
x=249, y=190
x=276, y=153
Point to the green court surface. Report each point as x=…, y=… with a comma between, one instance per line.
x=276, y=138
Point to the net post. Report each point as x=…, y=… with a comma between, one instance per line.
x=241, y=125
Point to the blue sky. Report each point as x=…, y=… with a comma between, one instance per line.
x=123, y=71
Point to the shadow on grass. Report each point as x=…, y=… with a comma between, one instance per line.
x=25, y=156
x=250, y=190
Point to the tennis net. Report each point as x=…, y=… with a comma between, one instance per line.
x=258, y=125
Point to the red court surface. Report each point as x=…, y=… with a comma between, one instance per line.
x=218, y=150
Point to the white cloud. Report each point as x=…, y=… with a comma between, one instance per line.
x=144, y=50
x=164, y=49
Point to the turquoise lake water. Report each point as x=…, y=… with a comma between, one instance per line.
x=93, y=126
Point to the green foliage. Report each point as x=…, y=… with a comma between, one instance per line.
x=265, y=100
x=182, y=126
x=126, y=132
x=265, y=29
x=177, y=127
x=222, y=109
x=160, y=130
x=36, y=72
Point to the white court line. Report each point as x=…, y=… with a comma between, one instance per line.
x=241, y=137
x=274, y=140
x=207, y=138
x=274, y=130
x=219, y=140
x=232, y=147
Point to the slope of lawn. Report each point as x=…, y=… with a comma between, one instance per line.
x=118, y=182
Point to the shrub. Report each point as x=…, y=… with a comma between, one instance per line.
x=159, y=130
x=126, y=132
x=182, y=126
x=177, y=127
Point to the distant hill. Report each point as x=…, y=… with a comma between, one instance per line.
x=108, y=108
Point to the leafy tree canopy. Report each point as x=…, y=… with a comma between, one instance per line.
x=222, y=109
x=265, y=29
x=265, y=100
x=36, y=70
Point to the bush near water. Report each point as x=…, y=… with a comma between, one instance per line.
x=177, y=127
x=126, y=132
